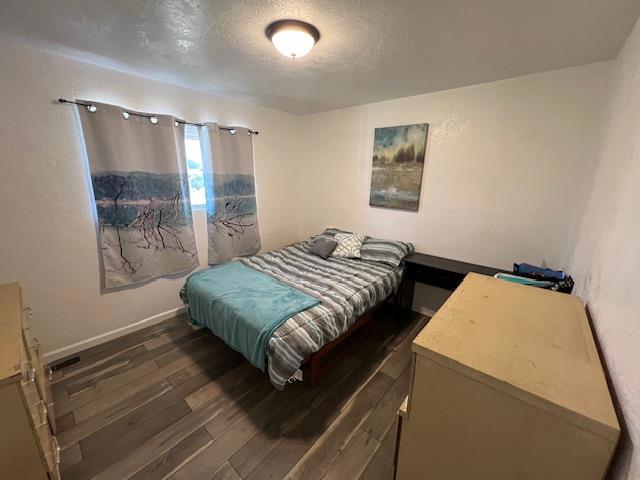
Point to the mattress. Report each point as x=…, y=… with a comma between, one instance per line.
x=345, y=287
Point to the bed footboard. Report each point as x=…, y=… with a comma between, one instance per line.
x=324, y=359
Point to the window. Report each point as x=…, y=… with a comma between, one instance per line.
x=194, y=165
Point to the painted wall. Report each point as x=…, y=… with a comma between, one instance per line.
x=506, y=173
x=606, y=262
x=507, y=167
x=506, y=170
x=48, y=241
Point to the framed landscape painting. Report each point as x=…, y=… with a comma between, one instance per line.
x=398, y=162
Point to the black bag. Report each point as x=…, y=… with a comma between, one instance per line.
x=563, y=286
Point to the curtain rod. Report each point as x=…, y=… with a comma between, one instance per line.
x=146, y=115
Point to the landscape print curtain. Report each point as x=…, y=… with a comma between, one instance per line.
x=232, y=221
x=141, y=189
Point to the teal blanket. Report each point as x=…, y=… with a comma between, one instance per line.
x=243, y=306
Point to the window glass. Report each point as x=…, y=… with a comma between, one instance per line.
x=194, y=165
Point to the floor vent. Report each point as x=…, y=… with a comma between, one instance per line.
x=65, y=363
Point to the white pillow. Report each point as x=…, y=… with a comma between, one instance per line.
x=348, y=245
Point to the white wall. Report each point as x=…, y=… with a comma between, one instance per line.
x=48, y=242
x=507, y=167
x=506, y=173
x=606, y=263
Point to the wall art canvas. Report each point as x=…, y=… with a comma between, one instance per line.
x=398, y=162
x=141, y=190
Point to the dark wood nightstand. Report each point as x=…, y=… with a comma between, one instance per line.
x=437, y=271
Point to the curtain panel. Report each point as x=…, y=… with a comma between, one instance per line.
x=232, y=220
x=141, y=189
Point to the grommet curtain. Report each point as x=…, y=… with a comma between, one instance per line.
x=232, y=220
x=140, y=184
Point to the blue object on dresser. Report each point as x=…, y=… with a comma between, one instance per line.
x=541, y=272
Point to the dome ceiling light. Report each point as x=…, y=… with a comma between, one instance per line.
x=293, y=38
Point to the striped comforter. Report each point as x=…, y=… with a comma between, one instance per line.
x=346, y=289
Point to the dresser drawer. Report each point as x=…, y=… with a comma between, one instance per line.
x=40, y=414
x=28, y=448
x=41, y=374
x=32, y=347
x=36, y=391
x=35, y=405
x=49, y=446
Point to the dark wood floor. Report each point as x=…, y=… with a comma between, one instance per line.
x=170, y=402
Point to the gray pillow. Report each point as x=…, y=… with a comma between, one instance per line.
x=323, y=247
x=386, y=251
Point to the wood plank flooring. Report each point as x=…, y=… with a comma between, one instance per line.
x=170, y=402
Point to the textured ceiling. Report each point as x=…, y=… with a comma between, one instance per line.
x=369, y=51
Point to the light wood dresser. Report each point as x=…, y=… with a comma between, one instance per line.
x=28, y=449
x=507, y=384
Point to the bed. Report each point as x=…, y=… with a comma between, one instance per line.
x=345, y=289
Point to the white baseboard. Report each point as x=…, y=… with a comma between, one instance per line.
x=54, y=355
x=426, y=311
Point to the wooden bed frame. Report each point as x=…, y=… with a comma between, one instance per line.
x=321, y=361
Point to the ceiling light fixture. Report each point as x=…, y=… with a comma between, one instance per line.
x=293, y=38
